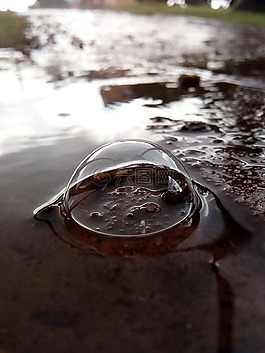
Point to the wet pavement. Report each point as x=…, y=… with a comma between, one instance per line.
x=195, y=86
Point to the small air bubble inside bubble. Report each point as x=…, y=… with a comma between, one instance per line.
x=96, y=214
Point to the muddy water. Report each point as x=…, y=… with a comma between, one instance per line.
x=198, y=92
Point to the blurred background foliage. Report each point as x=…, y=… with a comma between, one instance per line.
x=12, y=30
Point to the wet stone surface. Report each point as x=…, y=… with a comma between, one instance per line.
x=223, y=138
x=234, y=156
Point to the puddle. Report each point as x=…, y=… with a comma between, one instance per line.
x=194, y=283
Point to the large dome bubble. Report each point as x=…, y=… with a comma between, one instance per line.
x=129, y=188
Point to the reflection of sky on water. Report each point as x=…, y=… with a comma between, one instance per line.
x=15, y=5
x=105, y=44
x=35, y=112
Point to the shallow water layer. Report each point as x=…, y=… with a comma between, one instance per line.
x=206, y=294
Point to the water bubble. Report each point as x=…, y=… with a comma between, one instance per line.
x=130, y=170
x=96, y=214
x=135, y=188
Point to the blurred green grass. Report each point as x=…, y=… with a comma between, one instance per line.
x=229, y=15
x=12, y=30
